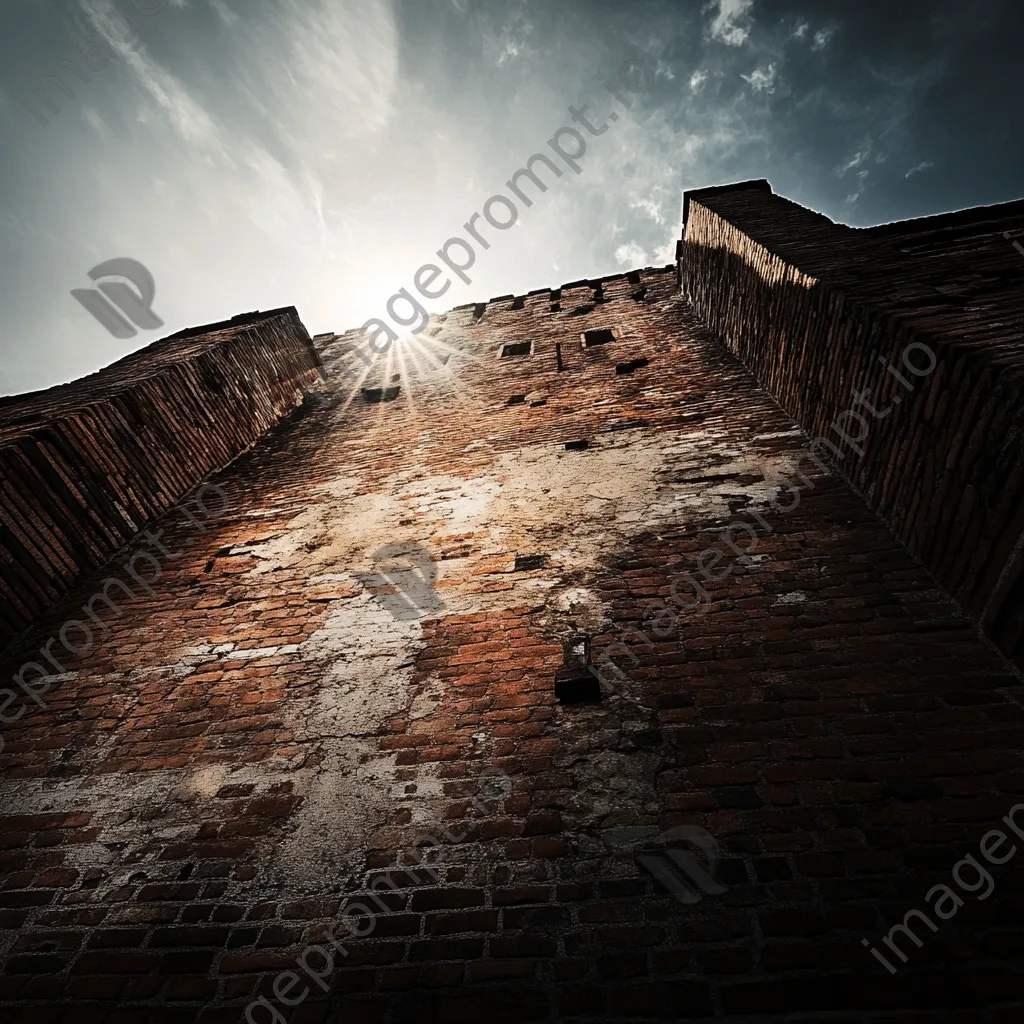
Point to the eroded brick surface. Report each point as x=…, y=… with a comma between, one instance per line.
x=251, y=749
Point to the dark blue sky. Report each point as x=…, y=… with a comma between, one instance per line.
x=317, y=152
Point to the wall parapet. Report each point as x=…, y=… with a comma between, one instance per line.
x=85, y=466
x=822, y=312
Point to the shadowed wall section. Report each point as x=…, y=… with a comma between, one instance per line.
x=838, y=324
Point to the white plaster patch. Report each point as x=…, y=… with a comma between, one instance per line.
x=205, y=782
x=529, y=502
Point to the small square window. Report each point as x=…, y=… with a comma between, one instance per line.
x=633, y=364
x=516, y=348
x=377, y=395
x=599, y=337
x=580, y=690
x=524, y=563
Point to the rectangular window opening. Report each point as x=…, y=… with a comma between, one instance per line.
x=377, y=395
x=600, y=336
x=516, y=348
x=577, y=446
x=517, y=400
x=581, y=690
x=577, y=651
x=633, y=364
x=524, y=563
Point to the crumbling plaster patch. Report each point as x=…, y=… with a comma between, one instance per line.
x=530, y=501
x=137, y=815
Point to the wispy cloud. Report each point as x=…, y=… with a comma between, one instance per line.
x=860, y=172
x=187, y=117
x=821, y=38
x=922, y=166
x=226, y=15
x=761, y=79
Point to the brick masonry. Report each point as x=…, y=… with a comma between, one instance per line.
x=820, y=311
x=84, y=466
x=252, y=747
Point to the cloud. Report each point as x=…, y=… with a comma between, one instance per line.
x=761, y=79
x=188, y=117
x=512, y=40
x=632, y=254
x=821, y=38
x=697, y=79
x=226, y=15
x=92, y=118
x=731, y=24
x=855, y=161
x=650, y=207
x=665, y=254
x=860, y=172
x=922, y=166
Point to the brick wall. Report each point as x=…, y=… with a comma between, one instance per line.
x=820, y=311
x=84, y=466
x=252, y=747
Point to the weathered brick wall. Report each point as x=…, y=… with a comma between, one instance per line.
x=822, y=312
x=247, y=750
x=85, y=466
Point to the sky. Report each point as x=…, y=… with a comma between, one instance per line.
x=263, y=153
